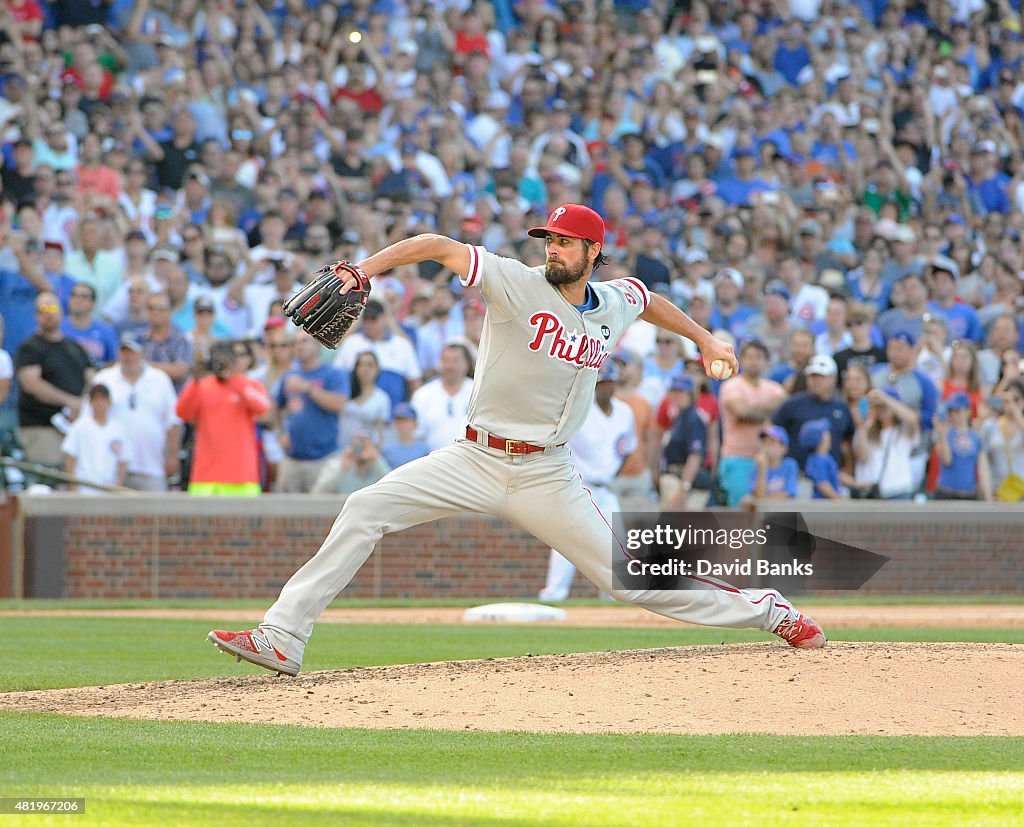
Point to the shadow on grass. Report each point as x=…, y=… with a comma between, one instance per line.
x=57, y=750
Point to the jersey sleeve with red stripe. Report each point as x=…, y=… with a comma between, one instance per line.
x=635, y=291
x=504, y=282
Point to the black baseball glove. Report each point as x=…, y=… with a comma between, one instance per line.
x=323, y=312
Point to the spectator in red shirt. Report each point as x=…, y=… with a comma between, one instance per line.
x=358, y=89
x=224, y=406
x=28, y=18
x=94, y=177
x=470, y=37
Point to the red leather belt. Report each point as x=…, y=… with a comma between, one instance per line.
x=509, y=446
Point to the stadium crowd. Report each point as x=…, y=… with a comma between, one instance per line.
x=835, y=186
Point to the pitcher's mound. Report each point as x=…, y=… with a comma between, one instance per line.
x=845, y=689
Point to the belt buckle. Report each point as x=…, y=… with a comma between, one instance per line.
x=515, y=447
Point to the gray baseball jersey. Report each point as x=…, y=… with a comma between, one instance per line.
x=539, y=355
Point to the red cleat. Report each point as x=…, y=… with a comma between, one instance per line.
x=801, y=631
x=252, y=645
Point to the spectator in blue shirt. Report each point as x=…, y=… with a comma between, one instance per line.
x=687, y=443
x=775, y=475
x=942, y=274
x=736, y=189
x=729, y=313
x=97, y=339
x=986, y=186
x=791, y=54
x=908, y=319
x=815, y=438
x=404, y=446
x=964, y=472
x=309, y=399
x=818, y=402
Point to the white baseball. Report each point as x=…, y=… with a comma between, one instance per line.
x=721, y=369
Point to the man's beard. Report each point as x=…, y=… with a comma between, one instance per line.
x=557, y=273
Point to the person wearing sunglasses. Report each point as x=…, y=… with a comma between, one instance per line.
x=52, y=371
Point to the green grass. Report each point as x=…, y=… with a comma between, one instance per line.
x=81, y=651
x=362, y=603
x=155, y=773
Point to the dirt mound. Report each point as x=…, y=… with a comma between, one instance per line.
x=845, y=689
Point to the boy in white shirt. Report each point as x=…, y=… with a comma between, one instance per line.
x=95, y=448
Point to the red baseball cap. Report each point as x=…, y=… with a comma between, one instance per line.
x=575, y=221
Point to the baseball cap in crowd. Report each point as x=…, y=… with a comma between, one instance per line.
x=694, y=255
x=403, y=410
x=99, y=389
x=53, y=245
x=198, y=175
x=957, y=401
x=809, y=227
x=904, y=336
x=714, y=141
x=904, y=234
x=744, y=152
x=574, y=221
x=985, y=146
x=945, y=264
x=821, y=365
x=777, y=287
x=705, y=291
x=131, y=342
x=777, y=433
x=681, y=382
x=498, y=99
x=706, y=43
x=135, y=235
x=832, y=280
x=731, y=273
x=203, y=304
x=609, y=372
x=165, y=254
x=811, y=433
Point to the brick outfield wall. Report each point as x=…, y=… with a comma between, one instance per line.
x=180, y=548
x=252, y=557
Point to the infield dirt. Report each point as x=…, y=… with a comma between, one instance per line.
x=844, y=689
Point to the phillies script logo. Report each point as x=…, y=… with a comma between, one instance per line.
x=575, y=348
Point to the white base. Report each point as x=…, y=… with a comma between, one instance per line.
x=513, y=613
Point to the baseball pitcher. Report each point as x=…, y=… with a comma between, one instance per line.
x=546, y=334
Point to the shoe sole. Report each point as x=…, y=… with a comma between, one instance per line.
x=242, y=654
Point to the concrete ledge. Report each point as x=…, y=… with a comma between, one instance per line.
x=177, y=503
